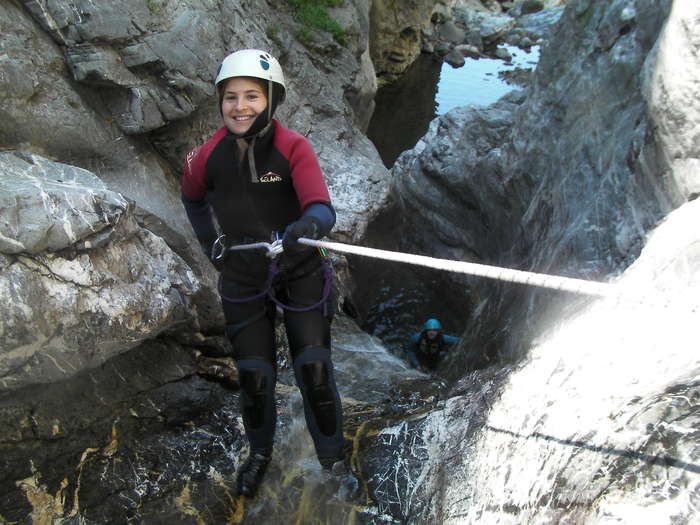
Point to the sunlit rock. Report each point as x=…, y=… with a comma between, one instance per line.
x=82, y=281
x=598, y=424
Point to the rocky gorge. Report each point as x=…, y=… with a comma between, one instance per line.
x=117, y=401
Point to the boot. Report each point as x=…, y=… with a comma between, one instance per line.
x=332, y=464
x=348, y=486
x=251, y=472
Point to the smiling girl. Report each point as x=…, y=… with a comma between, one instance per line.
x=263, y=182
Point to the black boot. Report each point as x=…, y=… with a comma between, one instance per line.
x=251, y=472
x=348, y=486
x=332, y=463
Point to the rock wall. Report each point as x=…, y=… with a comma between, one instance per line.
x=590, y=173
x=137, y=80
x=566, y=178
x=597, y=425
x=396, y=33
x=124, y=91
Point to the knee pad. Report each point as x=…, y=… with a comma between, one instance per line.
x=321, y=398
x=314, y=374
x=257, y=380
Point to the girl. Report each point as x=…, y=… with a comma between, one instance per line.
x=263, y=182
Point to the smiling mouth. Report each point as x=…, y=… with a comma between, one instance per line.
x=245, y=117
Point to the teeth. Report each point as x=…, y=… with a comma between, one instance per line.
x=242, y=118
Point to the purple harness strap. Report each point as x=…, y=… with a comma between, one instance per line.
x=267, y=290
x=268, y=283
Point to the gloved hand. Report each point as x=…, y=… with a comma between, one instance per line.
x=307, y=227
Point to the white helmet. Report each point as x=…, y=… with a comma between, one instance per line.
x=251, y=63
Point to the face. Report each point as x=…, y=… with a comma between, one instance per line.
x=244, y=99
x=432, y=334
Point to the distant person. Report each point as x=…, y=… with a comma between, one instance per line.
x=429, y=345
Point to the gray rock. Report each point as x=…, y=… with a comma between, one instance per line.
x=597, y=402
x=450, y=32
x=83, y=281
x=455, y=58
x=531, y=6
x=491, y=26
x=36, y=193
x=540, y=24
x=469, y=51
x=503, y=54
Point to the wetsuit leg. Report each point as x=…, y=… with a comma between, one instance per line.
x=250, y=328
x=324, y=418
x=309, y=341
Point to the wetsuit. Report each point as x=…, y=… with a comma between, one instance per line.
x=427, y=352
x=256, y=188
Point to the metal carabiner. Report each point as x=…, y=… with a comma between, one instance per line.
x=275, y=248
x=218, y=249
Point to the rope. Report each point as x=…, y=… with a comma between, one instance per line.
x=555, y=282
x=492, y=272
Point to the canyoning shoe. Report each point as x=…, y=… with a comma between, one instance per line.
x=346, y=484
x=333, y=463
x=252, y=471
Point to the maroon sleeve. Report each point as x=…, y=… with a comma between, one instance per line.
x=307, y=177
x=194, y=182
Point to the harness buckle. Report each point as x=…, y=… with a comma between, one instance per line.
x=218, y=249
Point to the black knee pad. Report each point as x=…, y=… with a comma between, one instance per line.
x=257, y=380
x=314, y=374
x=321, y=397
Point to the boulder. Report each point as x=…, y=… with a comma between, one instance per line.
x=83, y=281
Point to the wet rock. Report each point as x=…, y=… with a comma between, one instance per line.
x=455, y=58
x=503, y=54
x=469, y=51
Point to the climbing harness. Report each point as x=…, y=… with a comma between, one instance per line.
x=555, y=282
x=274, y=249
x=219, y=248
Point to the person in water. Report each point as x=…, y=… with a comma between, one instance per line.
x=429, y=345
x=263, y=182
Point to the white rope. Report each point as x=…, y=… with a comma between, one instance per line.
x=492, y=272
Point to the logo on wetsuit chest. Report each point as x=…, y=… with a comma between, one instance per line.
x=270, y=177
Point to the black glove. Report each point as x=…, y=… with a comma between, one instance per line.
x=308, y=227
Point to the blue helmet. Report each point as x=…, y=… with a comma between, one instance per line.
x=432, y=324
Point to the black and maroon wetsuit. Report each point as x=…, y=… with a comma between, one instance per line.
x=286, y=181
x=254, y=193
